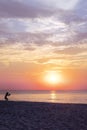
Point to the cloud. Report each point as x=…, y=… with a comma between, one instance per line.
x=20, y=18
x=35, y=8
x=81, y=10
x=42, y=29
x=19, y=9
x=61, y=4
x=71, y=49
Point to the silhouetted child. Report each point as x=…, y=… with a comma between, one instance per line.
x=6, y=96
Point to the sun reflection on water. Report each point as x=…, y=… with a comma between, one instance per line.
x=53, y=96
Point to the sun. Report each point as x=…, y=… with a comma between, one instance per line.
x=52, y=77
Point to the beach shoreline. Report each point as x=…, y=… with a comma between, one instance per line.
x=21, y=115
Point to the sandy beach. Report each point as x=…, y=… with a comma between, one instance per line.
x=42, y=116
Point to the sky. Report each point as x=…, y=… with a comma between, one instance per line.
x=40, y=36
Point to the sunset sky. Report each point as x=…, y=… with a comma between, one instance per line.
x=39, y=38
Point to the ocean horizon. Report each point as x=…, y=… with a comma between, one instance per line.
x=79, y=97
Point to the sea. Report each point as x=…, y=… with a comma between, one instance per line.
x=78, y=97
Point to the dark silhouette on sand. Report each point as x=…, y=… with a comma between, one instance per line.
x=6, y=96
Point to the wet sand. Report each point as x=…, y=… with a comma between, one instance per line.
x=42, y=116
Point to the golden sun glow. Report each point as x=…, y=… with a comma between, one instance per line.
x=52, y=77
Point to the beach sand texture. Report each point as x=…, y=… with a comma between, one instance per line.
x=42, y=116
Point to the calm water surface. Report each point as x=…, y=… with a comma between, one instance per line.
x=48, y=96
